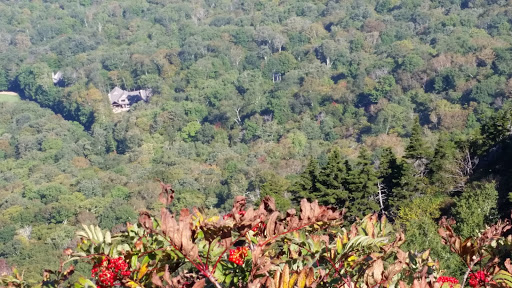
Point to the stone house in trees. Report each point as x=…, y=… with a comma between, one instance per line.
x=122, y=100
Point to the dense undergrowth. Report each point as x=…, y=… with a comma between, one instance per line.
x=260, y=247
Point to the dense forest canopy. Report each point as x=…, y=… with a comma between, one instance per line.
x=397, y=107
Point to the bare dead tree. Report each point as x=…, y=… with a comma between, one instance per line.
x=382, y=195
x=238, y=119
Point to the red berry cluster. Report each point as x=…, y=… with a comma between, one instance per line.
x=258, y=226
x=110, y=270
x=237, y=255
x=479, y=277
x=447, y=279
x=230, y=215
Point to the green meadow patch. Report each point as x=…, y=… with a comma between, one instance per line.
x=9, y=97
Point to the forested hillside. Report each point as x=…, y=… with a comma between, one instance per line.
x=396, y=107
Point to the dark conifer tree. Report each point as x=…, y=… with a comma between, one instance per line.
x=330, y=181
x=389, y=175
x=275, y=187
x=443, y=166
x=306, y=185
x=408, y=186
x=416, y=149
x=362, y=184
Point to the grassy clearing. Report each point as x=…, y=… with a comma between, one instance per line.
x=9, y=97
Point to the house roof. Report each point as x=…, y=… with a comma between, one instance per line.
x=115, y=94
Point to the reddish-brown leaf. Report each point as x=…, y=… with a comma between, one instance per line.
x=167, y=274
x=167, y=195
x=378, y=268
x=268, y=204
x=271, y=224
x=200, y=284
x=156, y=280
x=310, y=278
x=305, y=210
x=508, y=265
x=145, y=220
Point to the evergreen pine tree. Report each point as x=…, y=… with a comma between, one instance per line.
x=363, y=187
x=330, y=181
x=275, y=186
x=389, y=174
x=416, y=149
x=443, y=166
x=306, y=185
x=408, y=186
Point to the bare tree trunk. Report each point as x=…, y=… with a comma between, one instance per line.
x=382, y=191
x=238, y=119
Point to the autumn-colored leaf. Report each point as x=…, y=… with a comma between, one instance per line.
x=145, y=220
x=508, y=265
x=310, y=278
x=156, y=280
x=285, y=277
x=200, y=284
x=167, y=195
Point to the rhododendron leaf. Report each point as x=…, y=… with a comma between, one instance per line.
x=503, y=277
x=200, y=284
x=310, y=278
x=293, y=279
x=133, y=261
x=156, y=280
x=132, y=284
x=339, y=245
x=277, y=277
x=142, y=271
x=93, y=233
x=370, y=229
x=145, y=220
x=99, y=234
x=285, y=277
x=228, y=278
x=271, y=224
x=508, y=265
x=425, y=255
x=108, y=238
x=167, y=195
x=89, y=234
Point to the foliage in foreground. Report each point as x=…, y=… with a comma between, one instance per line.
x=263, y=248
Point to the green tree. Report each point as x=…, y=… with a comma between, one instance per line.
x=389, y=174
x=502, y=64
x=443, y=169
x=475, y=208
x=4, y=82
x=48, y=193
x=384, y=85
x=416, y=149
x=407, y=187
x=412, y=62
x=306, y=185
x=489, y=89
x=117, y=213
x=276, y=187
x=188, y=133
x=120, y=192
x=330, y=181
x=362, y=185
